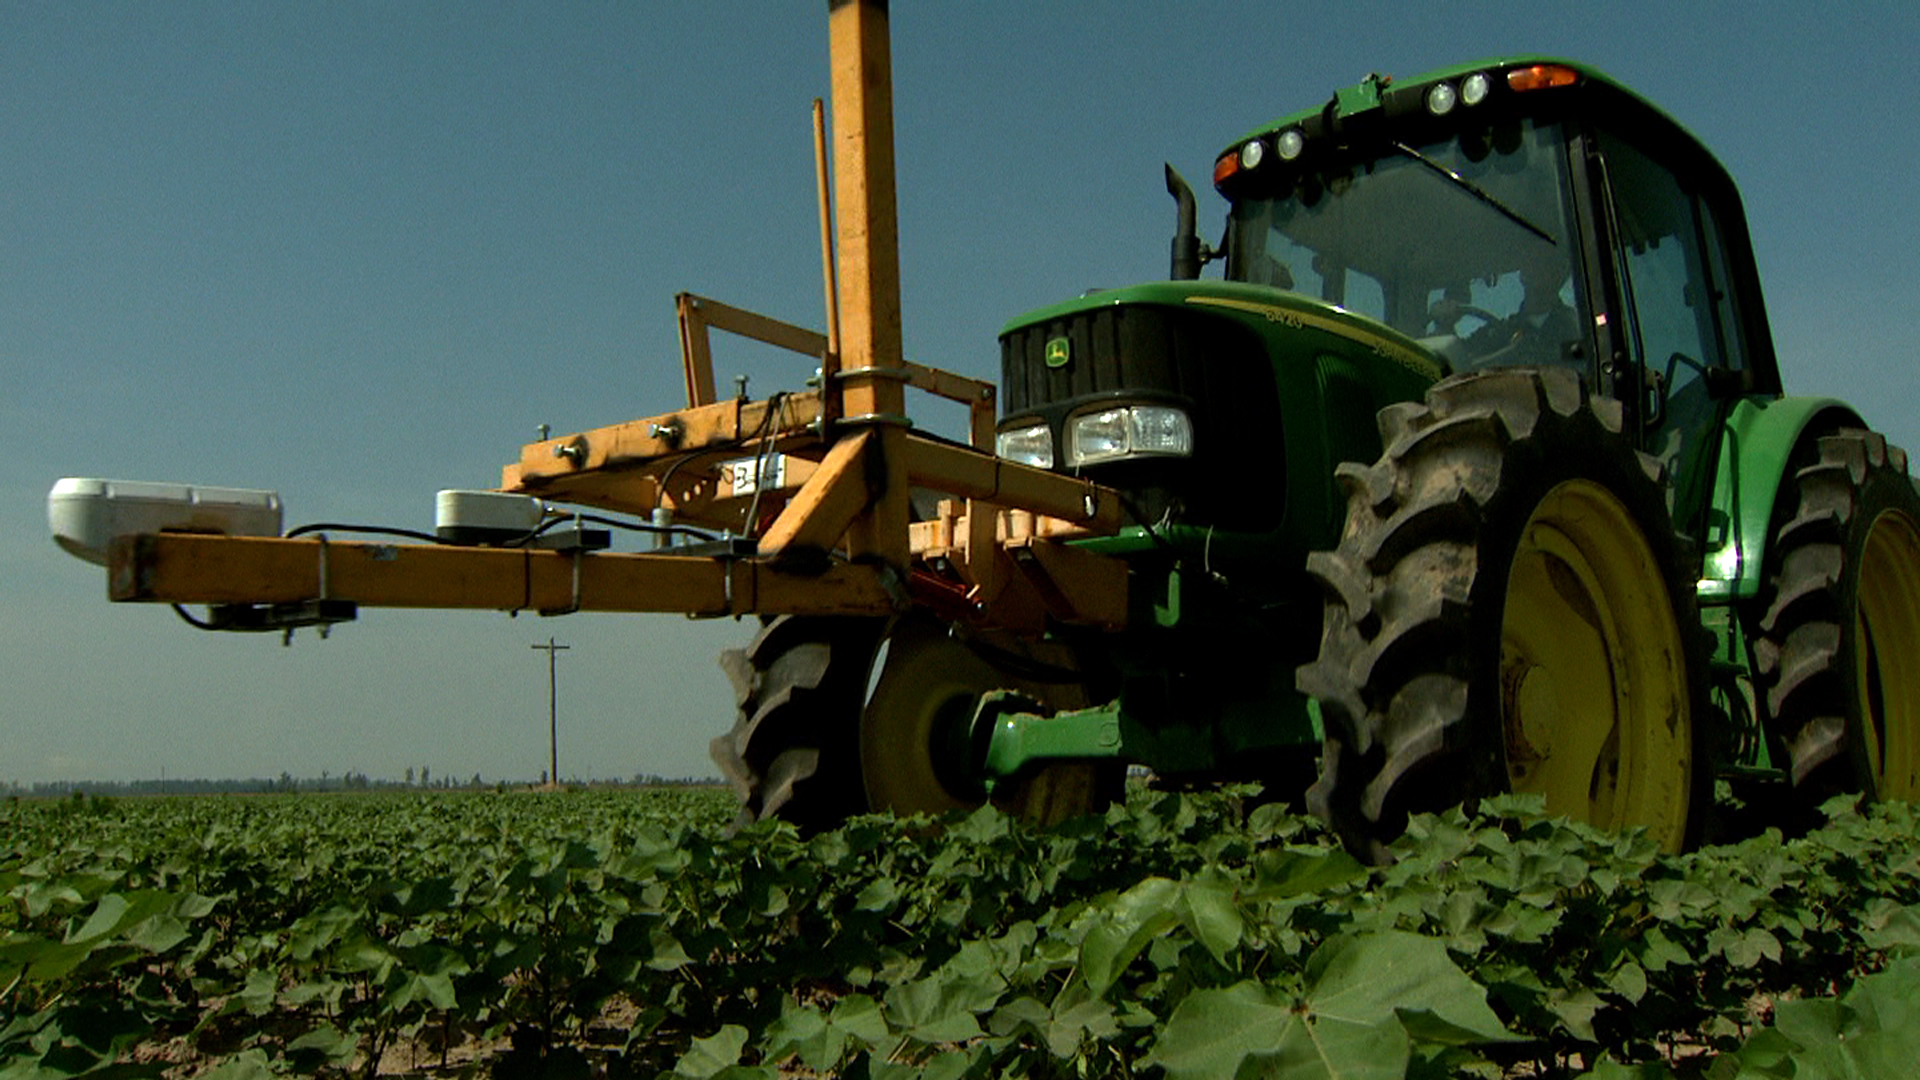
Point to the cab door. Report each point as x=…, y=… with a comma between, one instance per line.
x=1677, y=319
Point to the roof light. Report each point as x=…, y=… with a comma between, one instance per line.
x=1475, y=88
x=1226, y=168
x=1542, y=77
x=1252, y=153
x=1291, y=144
x=1441, y=98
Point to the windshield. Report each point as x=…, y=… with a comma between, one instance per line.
x=1467, y=243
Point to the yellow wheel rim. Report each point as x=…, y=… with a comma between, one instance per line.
x=1886, y=629
x=928, y=688
x=1596, y=708
x=913, y=734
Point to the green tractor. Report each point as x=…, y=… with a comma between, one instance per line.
x=1473, y=475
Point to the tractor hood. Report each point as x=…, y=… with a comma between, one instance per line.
x=1259, y=376
x=1090, y=326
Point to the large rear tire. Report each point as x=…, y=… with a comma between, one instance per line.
x=840, y=716
x=1840, y=635
x=1508, y=610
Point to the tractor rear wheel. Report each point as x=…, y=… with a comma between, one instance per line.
x=1841, y=625
x=1508, y=610
x=841, y=716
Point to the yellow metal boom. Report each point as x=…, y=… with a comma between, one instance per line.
x=827, y=531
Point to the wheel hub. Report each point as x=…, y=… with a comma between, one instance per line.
x=1593, y=669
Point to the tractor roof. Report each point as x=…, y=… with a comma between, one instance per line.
x=1492, y=80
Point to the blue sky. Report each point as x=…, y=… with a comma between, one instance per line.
x=357, y=252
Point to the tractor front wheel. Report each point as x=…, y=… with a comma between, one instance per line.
x=840, y=716
x=793, y=750
x=1508, y=610
x=1841, y=625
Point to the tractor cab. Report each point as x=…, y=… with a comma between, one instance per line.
x=1465, y=240
x=1519, y=213
x=1523, y=213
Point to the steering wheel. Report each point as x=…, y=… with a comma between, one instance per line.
x=1446, y=314
x=1492, y=339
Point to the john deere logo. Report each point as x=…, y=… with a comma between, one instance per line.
x=1059, y=351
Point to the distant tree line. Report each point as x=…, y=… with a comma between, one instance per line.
x=325, y=782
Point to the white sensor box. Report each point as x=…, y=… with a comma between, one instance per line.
x=485, y=517
x=86, y=514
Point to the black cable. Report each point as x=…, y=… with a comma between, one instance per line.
x=764, y=455
x=376, y=530
x=550, y=523
x=1133, y=511
x=530, y=535
x=766, y=424
x=648, y=527
x=413, y=534
x=716, y=448
x=197, y=624
x=615, y=523
x=689, y=456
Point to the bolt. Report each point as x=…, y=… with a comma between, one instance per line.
x=740, y=387
x=545, y=431
x=575, y=451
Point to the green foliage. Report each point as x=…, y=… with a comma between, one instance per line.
x=1367, y=999
x=1188, y=936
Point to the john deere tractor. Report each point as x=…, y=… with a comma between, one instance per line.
x=1481, y=445
x=1471, y=473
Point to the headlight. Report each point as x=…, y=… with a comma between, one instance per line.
x=1028, y=446
x=1130, y=431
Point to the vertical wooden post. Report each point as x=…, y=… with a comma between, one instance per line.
x=867, y=231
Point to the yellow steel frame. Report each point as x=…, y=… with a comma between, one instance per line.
x=834, y=537
x=993, y=542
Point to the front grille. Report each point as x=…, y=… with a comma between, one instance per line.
x=1213, y=367
x=1111, y=351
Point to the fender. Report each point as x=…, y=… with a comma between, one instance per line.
x=1756, y=445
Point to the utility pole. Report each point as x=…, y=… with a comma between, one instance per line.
x=553, y=712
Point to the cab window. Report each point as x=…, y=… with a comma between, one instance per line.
x=1677, y=318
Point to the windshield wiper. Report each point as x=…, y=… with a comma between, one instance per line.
x=1477, y=192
